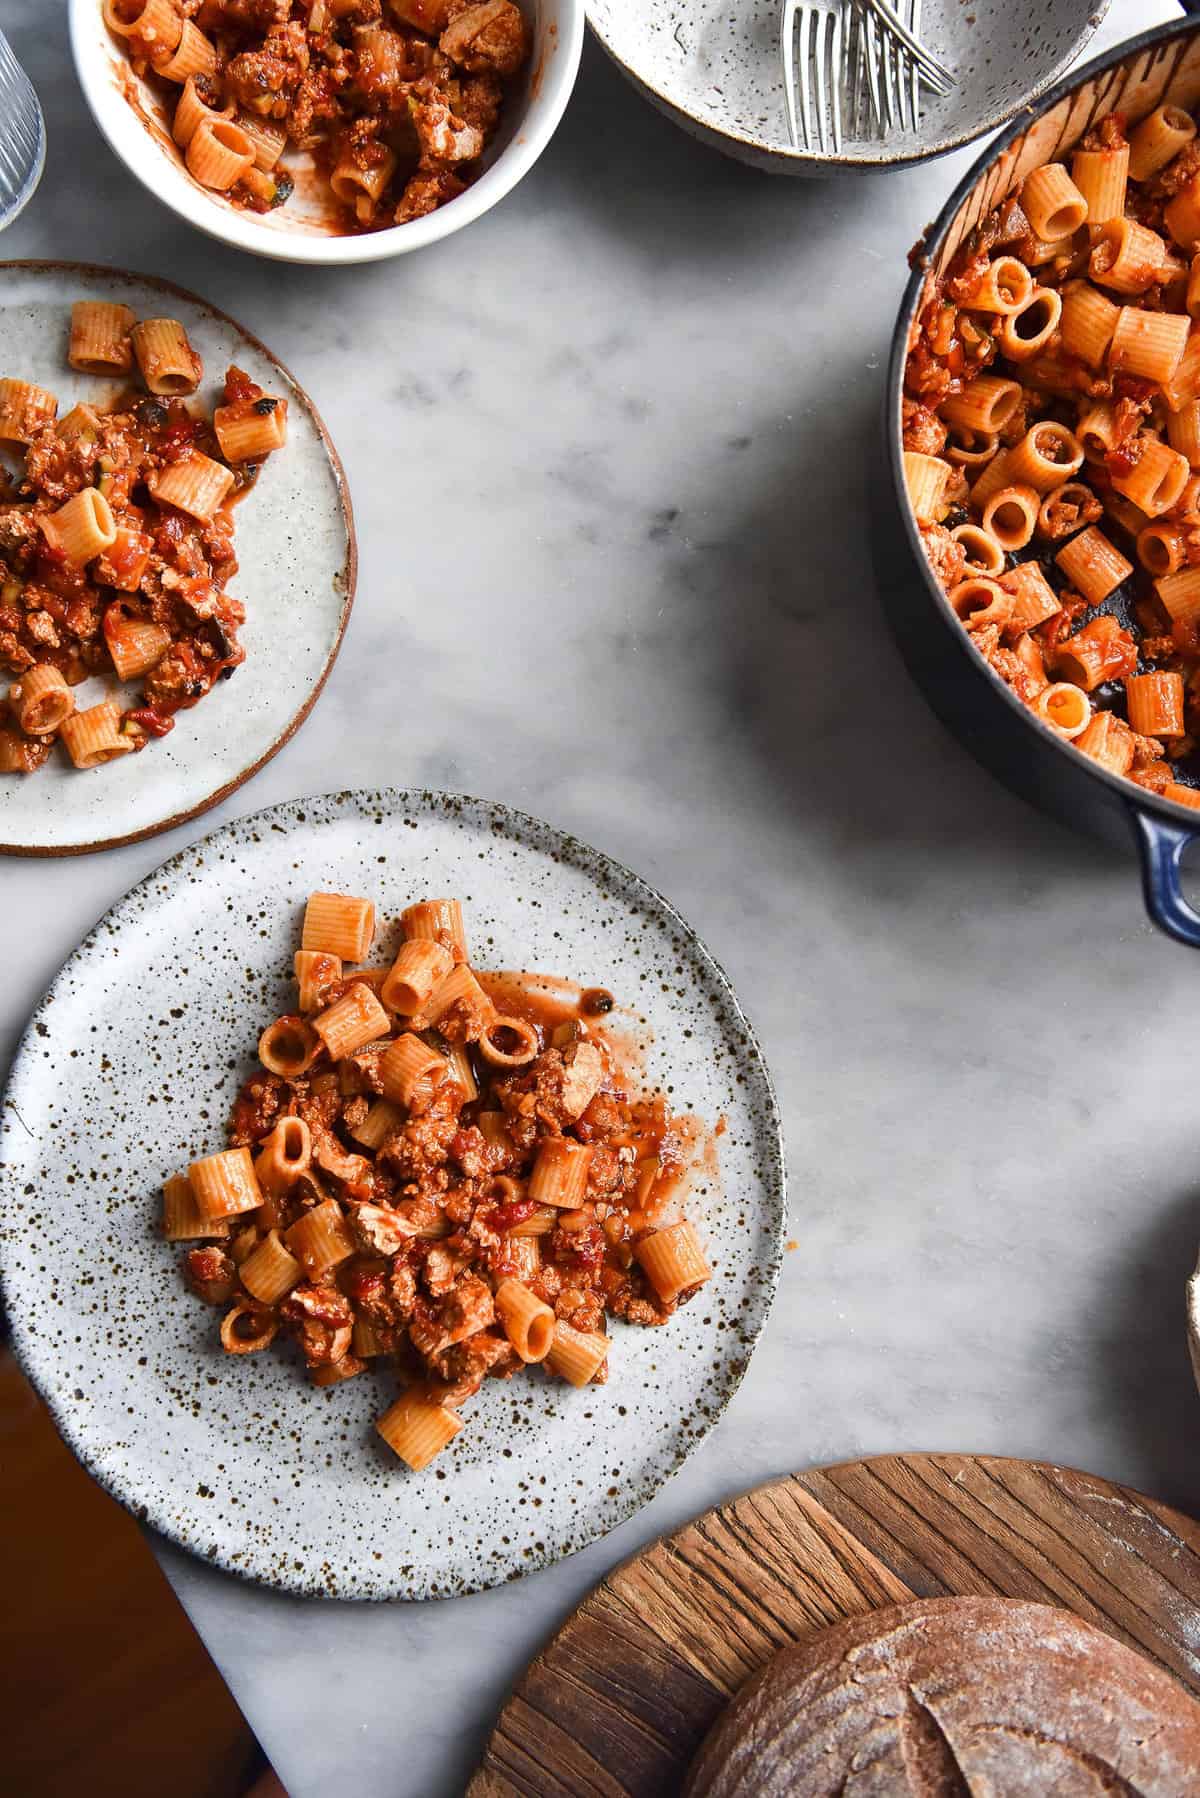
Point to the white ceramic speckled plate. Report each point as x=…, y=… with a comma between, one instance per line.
x=296, y=550
x=128, y=1070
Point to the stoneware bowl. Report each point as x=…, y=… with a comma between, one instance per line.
x=715, y=70
x=297, y=564
x=130, y=113
x=128, y=1070
x=965, y=691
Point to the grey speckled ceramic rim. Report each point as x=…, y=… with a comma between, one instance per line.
x=349, y=572
x=526, y=828
x=803, y=162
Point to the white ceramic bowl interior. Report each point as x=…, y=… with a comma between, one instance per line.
x=133, y=118
x=715, y=70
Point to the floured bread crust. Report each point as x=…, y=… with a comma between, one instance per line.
x=955, y=1698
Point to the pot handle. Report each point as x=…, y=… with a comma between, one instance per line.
x=1162, y=849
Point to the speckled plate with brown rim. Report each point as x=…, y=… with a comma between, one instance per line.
x=297, y=565
x=127, y=1071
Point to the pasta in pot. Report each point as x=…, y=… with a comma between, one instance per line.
x=116, y=547
x=1051, y=425
x=456, y=1201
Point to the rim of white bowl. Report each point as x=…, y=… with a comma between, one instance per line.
x=127, y=136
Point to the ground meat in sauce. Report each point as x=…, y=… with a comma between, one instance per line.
x=945, y=554
x=210, y=1274
x=321, y=1319
x=923, y=429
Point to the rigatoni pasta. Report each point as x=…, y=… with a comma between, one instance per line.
x=94, y=736
x=196, y=485
x=219, y=153
x=1055, y=445
x=415, y=1202
x=41, y=700
x=25, y=410
x=106, y=491
x=169, y=364
x=100, y=337
x=182, y=1218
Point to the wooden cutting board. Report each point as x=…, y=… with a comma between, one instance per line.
x=618, y=1702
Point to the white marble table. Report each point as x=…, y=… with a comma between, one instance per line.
x=626, y=464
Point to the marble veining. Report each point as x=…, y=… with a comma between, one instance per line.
x=615, y=571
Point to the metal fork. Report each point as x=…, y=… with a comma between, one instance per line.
x=834, y=58
x=903, y=63
x=810, y=43
x=22, y=137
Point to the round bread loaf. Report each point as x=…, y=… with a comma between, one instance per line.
x=955, y=1698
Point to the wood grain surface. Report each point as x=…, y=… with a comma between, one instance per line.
x=617, y=1703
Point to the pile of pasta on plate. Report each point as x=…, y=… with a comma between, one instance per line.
x=440, y=1171
x=117, y=539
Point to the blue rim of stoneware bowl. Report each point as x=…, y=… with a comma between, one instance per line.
x=532, y=831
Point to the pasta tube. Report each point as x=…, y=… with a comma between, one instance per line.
x=560, y=1174
x=100, y=343
x=438, y=919
x=337, y=924
x=225, y=1184
x=271, y=1271
x=1154, y=704
x=526, y=1320
x=95, y=737
x=417, y=1429
x=183, y=1220
x=421, y=965
x=576, y=1355
x=672, y=1260
x=355, y=1020
x=41, y=700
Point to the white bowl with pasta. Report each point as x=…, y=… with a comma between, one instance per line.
x=136, y=119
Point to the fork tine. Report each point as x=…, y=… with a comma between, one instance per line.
x=914, y=94
x=806, y=75
x=835, y=78
x=861, y=121
x=889, y=80
x=849, y=88
x=787, y=51
x=872, y=56
x=824, y=89
x=897, y=29
x=822, y=22
x=900, y=72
